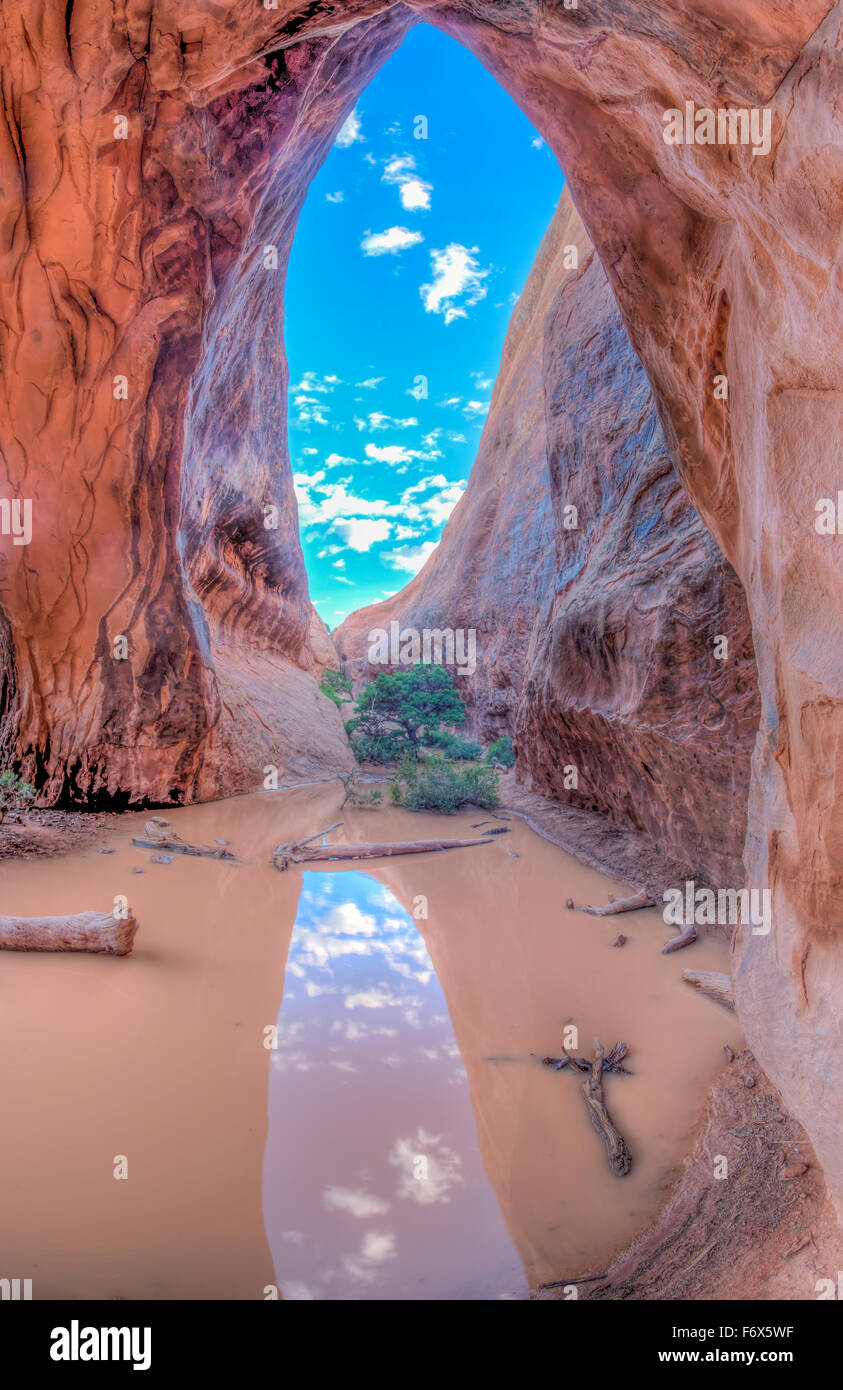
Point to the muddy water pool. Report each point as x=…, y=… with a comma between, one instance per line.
x=398, y=1137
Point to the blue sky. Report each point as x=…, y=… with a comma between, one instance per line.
x=408, y=257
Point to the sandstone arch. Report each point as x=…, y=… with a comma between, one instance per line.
x=132, y=257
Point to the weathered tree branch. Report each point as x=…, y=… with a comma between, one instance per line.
x=102, y=932
x=612, y=909
x=713, y=984
x=161, y=836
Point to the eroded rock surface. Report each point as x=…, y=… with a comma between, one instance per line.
x=596, y=641
x=140, y=258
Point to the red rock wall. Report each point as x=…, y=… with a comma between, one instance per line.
x=595, y=644
x=114, y=255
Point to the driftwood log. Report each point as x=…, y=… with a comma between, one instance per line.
x=620, y=1159
x=306, y=852
x=160, y=835
x=685, y=938
x=612, y=909
x=611, y=1062
x=713, y=984
x=102, y=932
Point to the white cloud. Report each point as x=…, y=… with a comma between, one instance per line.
x=409, y=557
x=336, y=460
x=443, y=1168
x=390, y=242
x=413, y=191
x=376, y=420
x=457, y=275
x=396, y=453
x=351, y=132
x=476, y=410
x=537, y=143
x=371, y=382
x=356, y=1202
x=322, y=385
x=359, y=533
x=482, y=381
x=309, y=411
x=338, y=197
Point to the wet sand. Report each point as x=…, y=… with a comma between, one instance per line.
x=400, y=1038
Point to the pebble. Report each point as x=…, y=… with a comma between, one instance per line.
x=621, y=941
x=106, y=851
x=160, y=859
x=569, y=902
x=138, y=871
x=792, y=1170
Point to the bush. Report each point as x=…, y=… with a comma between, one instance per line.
x=455, y=747
x=436, y=785
x=14, y=793
x=336, y=686
x=501, y=751
x=388, y=747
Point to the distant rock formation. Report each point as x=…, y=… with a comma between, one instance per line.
x=596, y=643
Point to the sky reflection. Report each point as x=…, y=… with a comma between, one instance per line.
x=373, y=1183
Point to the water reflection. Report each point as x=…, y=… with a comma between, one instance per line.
x=373, y=1181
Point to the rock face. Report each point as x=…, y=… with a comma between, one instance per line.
x=595, y=643
x=132, y=265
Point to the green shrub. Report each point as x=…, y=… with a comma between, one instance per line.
x=436, y=785
x=501, y=751
x=454, y=747
x=389, y=747
x=336, y=686
x=14, y=793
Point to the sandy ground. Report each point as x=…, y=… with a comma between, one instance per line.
x=34, y=834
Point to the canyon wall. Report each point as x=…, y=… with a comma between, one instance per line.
x=130, y=265
x=595, y=641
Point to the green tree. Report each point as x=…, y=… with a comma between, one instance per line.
x=501, y=751
x=412, y=704
x=336, y=686
x=14, y=793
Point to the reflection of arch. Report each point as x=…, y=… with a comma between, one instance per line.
x=226, y=124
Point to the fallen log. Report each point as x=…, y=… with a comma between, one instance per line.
x=305, y=852
x=676, y=943
x=161, y=836
x=713, y=984
x=101, y=932
x=620, y=1159
x=611, y=909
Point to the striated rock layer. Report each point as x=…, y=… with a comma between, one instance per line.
x=143, y=258
x=595, y=643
